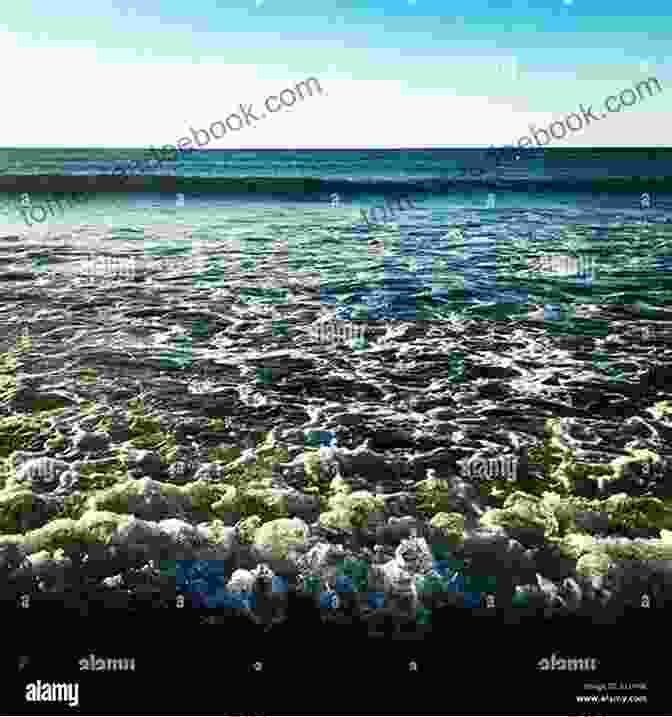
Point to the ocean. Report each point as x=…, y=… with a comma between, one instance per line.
x=379, y=234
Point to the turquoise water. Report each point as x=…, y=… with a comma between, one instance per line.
x=476, y=237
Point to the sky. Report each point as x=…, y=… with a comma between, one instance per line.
x=393, y=73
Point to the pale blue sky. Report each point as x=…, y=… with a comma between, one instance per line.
x=394, y=74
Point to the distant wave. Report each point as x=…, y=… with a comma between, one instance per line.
x=312, y=188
